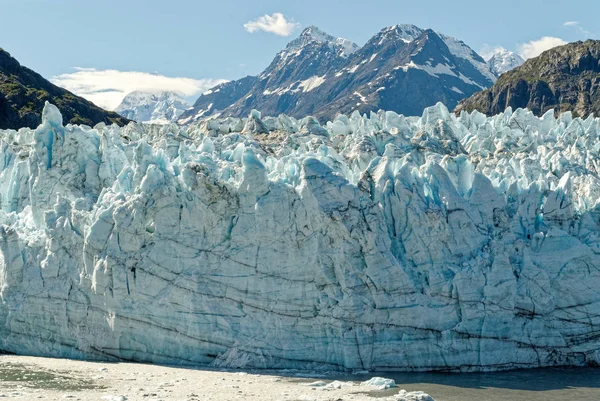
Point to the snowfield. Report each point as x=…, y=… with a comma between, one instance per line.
x=373, y=242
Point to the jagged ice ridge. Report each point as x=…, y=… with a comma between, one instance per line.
x=374, y=242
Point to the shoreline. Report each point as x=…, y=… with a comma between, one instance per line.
x=25, y=378
x=30, y=378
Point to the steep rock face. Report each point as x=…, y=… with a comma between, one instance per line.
x=565, y=78
x=381, y=242
x=23, y=93
x=403, y=68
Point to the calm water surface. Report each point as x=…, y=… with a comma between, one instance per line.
x=556, y=384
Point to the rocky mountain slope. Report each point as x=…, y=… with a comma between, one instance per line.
x=504, y=61
x=403, y=68
x=370, y=243
x=566, y=78
x=23, y=93
x=155, y=108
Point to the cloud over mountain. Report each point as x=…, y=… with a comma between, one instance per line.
x=107, y=88
x=276, y=23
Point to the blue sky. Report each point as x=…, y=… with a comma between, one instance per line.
x=206, y=40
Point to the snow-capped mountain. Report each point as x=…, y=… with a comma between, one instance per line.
x=503, y=61
x=312, y=34
x=403, y=68
x=155, y=108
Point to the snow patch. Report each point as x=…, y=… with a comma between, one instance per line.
x=311, y=83
x=362, y=98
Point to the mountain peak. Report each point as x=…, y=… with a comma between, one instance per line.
x=313, y=34
x=503, y=61
x=310, y=76
x=404, y=32
x=160, y=107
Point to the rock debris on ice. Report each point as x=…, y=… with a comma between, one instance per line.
x=373, y=242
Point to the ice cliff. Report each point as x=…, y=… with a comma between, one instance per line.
x=374, y=242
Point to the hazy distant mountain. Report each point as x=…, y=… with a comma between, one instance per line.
x=148, y=107
x=504, y=61
x=24, y=92
x=403, y=68
x=566, y=78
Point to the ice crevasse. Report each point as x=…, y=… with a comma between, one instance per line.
x=374, y=242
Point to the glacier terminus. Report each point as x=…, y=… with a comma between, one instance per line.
x=372, y=242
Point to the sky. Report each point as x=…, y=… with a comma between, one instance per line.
x=106, y=48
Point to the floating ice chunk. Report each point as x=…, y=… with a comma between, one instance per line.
x=319, y=383
x=380, y=383
x=404, y=395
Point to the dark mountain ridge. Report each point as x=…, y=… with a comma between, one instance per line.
x=23, y=93
x=566, y=78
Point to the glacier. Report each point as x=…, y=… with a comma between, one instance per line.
x=373, y=242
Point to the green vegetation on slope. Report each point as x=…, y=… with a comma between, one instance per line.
x=23, y=94
x=566, y=78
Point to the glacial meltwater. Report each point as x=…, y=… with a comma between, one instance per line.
x=27, y=378
x=553, y=384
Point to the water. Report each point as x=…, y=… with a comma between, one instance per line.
x=555, y=384
x=14, y=375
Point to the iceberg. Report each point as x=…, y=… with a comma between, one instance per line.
x=380, y=383
x=372, y=242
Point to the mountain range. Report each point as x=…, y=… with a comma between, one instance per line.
x=402, y=68
x=24, y=92
x=565, y=78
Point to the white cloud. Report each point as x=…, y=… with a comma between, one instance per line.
x=536, y=47
x=107, y=88
x=487, y=51
x=576, y=25
x=275, y=23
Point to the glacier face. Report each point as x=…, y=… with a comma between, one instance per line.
x=374, y=242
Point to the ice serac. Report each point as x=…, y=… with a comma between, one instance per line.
x=373, y=242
